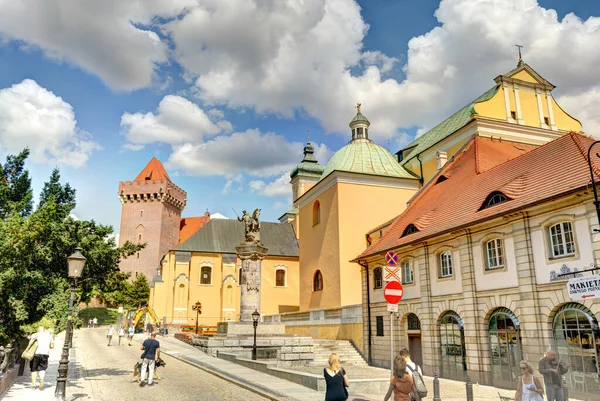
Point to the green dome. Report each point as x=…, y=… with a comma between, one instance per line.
x=364, y=157
x=359, y=117
x=309, y=165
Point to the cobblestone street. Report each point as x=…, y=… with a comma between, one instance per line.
x=107, y=372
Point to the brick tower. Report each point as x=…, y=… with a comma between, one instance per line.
x=151, y=214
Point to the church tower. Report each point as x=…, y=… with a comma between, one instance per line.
x=307, y=173
x=151, y=214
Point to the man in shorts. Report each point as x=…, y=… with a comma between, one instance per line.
x=39, y=363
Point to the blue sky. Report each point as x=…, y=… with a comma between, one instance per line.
x=224, y=92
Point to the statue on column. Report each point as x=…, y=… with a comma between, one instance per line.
x=251, y=226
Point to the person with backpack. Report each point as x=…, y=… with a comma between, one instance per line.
x=416, y=373
x=401, y=384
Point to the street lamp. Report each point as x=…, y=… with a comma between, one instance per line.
x=76, y=263
x=596, y=202
x=255, y=317
x=198, y=308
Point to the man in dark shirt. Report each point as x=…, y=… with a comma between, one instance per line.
x=553, y=369
x=151, y=348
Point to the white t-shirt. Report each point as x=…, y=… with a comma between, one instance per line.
x=44, y=339
x=131, y=330
x=110, y=331
x=414, y=367
x=121, y=332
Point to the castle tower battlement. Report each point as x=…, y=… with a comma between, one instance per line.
x=152, y=190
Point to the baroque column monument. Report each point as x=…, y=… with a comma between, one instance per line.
x=251, y=252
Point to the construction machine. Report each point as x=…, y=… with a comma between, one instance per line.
x=140, y=317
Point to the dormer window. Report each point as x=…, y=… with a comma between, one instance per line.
x=410, y=229
x=493, y=199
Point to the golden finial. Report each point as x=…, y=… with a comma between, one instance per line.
x=358, y=108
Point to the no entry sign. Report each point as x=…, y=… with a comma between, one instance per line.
x=393, y=292
x=391, y=258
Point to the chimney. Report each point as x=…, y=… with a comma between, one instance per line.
x=442, y=158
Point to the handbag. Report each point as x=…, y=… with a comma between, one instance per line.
x=30, y=350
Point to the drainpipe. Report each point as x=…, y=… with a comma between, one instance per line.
x=421, y=180
x=370, y=334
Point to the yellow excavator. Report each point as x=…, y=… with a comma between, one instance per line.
x=142, y=316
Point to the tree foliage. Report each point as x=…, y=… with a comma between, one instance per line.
x=34, y=245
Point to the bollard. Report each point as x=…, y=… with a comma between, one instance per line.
x=436, y=387
x=469, y=389
x=565, y=389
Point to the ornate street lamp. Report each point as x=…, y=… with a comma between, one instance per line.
x=198, y=308
x=255, y=317
x=76, y=263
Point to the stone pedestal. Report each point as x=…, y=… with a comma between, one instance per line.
x=247, y=329
x=251, y=255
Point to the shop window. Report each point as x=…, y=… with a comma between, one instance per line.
x=379, y=325
x=577, y=339
x=408, y=276
x=505, y=344
x=495, y=254
x=206, y=275
x=452, y=344
x=445, y=264
x=318, y=281
x=561, y=239
x=377, y=278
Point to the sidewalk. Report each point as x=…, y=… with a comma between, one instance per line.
x=77, y=386
x=266, y=385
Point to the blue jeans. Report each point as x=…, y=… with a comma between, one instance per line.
x=554, y=392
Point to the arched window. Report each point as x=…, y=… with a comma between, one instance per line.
x=452, y=344
x=505, y=343
x=561, y=239
x=181, y=294
x=495, y=253
x=141, y=213
x=206, y=275
x=577, y=339
x=377, y=278
x=280, y=277
x=229, y=295
x=413, y=322
x=137, y=255
x=445, y=264
x=318, y=281
x=493, y=199
x=139, y=237
x=316, y=213
x=410, y=229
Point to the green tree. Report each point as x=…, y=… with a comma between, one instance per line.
x=16, y=194
x=140, y=291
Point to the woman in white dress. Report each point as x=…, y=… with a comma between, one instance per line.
x=529, y=387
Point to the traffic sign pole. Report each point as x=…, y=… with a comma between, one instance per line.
x=393, y=294
x=392, y=343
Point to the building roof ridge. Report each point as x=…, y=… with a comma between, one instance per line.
x=154, y=170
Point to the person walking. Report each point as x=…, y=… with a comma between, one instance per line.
x=336, y=380
x=410, y=365
x=529, y=388
x=151, y=348
x=130, y=333
x=109, y=334
x=121, y=334
x=95, y=322
x=401, y=383
x=552, y=369
x=39, y=364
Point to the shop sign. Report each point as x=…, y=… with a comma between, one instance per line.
x=582, y=288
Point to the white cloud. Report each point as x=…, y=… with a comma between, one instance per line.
x=176, y=121
x=113, y=39
x=377, y=58
x=34, y=117
x=281, y=205
x=584, y=107
x=238, y=179
x=278, y=187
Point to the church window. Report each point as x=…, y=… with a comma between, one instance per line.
x=318, y=281
x=136, y=273
x=206, y=275
x=280, y=277
x=561, y=239
x=546, y=121
x=140, y=237
x=137, y=255
x=495, y=254
x=493, y=199
x=379, y=325
x=445, y=264
x=316, y=213
x=410, y=229
x=360, y=132
x=377, y=278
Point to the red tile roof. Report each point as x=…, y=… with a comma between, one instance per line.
x=526, y=175
x=154, y=170
x=189, y=225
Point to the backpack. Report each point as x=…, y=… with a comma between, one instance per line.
x=30, y=350
x=418, y=381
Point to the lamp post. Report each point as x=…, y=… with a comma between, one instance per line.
x=198, y=308
x=596, y=202
x=76, y=263
x=255, y=317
